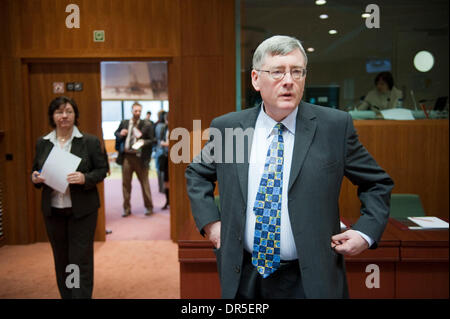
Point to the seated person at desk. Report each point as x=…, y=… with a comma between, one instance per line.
x=384, y=96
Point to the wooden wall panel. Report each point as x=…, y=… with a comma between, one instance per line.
x=229, y=56
x=132, y=28
x=203, y=92
x=2, y=192
x=5, y=52
x=195, y=36
x=415, y=154
x=42, y=75
x=110, y=146
x=207, y=84
x=12, y=122
x=203, y=27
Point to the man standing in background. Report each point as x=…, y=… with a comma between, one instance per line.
x=134, y=140
x=148, y=115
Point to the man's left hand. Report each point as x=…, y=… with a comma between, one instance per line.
x=349, y=243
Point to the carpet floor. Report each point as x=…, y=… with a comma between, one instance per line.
x=137, y=261
x=137, y=226
x=122, y=269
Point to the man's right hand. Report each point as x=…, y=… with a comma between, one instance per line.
x=124, y=132
x=213, y=232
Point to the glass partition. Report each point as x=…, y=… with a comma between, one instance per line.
x=349, y=44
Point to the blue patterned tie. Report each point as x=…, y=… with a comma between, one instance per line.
x=267, y=208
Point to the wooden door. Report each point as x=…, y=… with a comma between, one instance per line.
x=41, y=77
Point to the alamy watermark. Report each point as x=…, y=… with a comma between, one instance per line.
x=73, y=279
x=73, y=19
x=232, y=145
x=373, y=280
x=373, y=20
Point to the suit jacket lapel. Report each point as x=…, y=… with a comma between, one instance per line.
x=48, y=146
x=125, y=124
x=242, y=168
x=141, y=125
x=304, y=134
x=77, y=146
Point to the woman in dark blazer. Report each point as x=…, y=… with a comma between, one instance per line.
x=71, y=217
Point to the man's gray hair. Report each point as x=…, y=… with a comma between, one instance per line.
x=276, y=45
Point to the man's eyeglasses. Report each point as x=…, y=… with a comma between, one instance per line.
x=296, y=74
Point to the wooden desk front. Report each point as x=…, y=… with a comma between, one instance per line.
x=423, y=270
x=414, y=153
x=412, y=264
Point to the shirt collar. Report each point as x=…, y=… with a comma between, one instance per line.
x=137, y=122
x=268, y=123
x=52, y=135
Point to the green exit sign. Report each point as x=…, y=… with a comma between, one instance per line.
x=99, y=36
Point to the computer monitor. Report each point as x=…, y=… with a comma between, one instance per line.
x=324, y=95
x=378, y=65
x=440, y=104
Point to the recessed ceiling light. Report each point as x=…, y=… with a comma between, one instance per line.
x=310, y=49
x=332, y=32
x=320, y=2
x=323, y=16
x=365, y=15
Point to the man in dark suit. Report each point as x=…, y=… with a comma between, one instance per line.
x=134, y=141
x=148, y=115
x=277, y=233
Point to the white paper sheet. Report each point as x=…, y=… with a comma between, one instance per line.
x=136, y=132
x=138, y=145
x=429, y=222
x=397, y=114
x=363, y=115
x=56, y=168
x=343, y=226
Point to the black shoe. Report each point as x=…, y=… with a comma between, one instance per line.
x=148, y=212
x=126, y=214
x=166, y=191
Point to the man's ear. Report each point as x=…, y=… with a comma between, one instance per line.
x=255, y=77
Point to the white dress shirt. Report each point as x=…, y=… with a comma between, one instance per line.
x=262, y=138
x=128, y=143
x=62, y=200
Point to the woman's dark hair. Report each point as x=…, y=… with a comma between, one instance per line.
x=56, y=104
x=161, y=116
x=386, y=77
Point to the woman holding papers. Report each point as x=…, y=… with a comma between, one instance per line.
x=67, y=166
